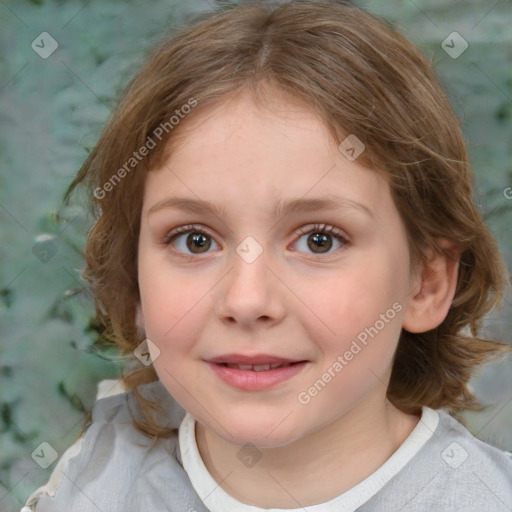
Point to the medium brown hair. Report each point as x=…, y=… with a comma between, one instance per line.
x=361, y=77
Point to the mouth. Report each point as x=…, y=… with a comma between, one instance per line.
x=253, y=373
x=258, y=367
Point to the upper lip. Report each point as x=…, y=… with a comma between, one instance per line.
x=254, y=359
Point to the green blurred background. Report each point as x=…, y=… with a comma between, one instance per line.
x=51, y=113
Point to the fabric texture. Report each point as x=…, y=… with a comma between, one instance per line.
x=217, y=500
x=115, y=468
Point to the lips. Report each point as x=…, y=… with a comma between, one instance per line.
x=256, y=372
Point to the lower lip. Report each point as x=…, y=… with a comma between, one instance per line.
x=249, y=380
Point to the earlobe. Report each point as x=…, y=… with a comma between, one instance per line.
x=432, y=297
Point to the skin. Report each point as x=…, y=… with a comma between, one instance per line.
x=291, y=301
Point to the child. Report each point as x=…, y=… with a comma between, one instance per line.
x=285, y=228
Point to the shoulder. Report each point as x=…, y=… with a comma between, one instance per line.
x=462, y=472
x=465, y=447
x=115, y=405
x=476, y=472
x=453, y=471
x=111, y=450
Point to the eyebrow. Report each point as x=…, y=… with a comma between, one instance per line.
x=281, y=207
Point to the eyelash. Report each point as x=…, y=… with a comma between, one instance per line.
x=316, y=228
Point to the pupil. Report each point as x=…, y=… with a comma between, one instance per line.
x=197, y=240
x=319, y=240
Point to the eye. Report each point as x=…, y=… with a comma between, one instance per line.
x=320, y=238
x=197, y=240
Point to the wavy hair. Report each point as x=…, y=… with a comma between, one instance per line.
x=362, y=77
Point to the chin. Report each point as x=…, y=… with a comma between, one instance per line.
x=262, y=433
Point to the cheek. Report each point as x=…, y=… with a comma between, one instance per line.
x=354, y=299
x=173, y=322
x=173, y=304
x=362, y=310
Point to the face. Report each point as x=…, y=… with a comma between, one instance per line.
x=270, y=323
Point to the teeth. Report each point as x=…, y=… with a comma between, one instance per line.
x=260, y=367
x=256, y=367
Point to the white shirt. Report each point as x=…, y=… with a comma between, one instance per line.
x=217, y=500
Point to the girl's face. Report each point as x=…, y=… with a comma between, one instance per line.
x=299, y=259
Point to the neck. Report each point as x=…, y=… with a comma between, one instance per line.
x=352, y=448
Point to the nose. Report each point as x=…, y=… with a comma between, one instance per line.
x=251, y=294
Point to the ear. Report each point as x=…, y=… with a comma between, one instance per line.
x=432, y=296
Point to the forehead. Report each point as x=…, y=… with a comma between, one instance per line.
x=239, y=153
x=250, y=122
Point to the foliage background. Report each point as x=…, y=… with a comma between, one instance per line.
x=51, y=113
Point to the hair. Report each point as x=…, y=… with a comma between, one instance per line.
x=361, y=77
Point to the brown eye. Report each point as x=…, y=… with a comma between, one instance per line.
x=189, y=240
x=320, y=239
x=320, y=242
x=198, y=241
